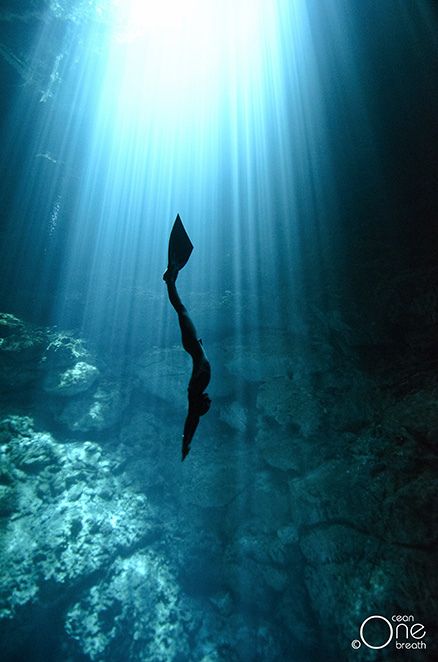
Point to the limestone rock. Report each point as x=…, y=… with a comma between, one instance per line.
x=64, y=527
x=243, y=581
x=20, y=342
x=288, y=403
x=275, y=578
x=271, y=502
x=288, y=534
x=211, y=486
x=10, y=325
x=416, y=413
x=234, y=415
x=223, y=603
x=280, y=449
x=137, y=608
x=257, y=365
x=98, y=410
x=63, y=351
x=72, y=381
x=8, y=500
x=165, y=373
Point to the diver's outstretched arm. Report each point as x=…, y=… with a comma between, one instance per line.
x=190, y=426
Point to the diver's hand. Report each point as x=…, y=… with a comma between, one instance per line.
x=185, y=451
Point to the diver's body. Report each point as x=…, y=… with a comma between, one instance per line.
x=199, y=402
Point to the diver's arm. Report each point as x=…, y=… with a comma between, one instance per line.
x=190, y=426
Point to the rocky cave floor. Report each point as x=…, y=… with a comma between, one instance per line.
x=305, y=505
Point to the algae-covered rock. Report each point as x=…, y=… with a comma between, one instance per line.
x=10, y=325
x=70, y=515
x=280, y=450
x=14, y=378
x=417, y=501
x=245, y=583
x=136, y=609
x=256, y=362
x=289, y=403
x=271, y=502
x=275, y=578
x=165, y=374
x=266, y=354
x=8, y=500
x=34, y=355
x=223, y=602
x=235, y=415
x=20, y=342
x=360, y=577
x=72, y=381
x=335, y=491
x=416, y=413
x=63, y=351
x=213, y=487
x=150, y=453
x=98, y=410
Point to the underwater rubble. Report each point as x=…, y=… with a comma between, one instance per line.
x=306, y=503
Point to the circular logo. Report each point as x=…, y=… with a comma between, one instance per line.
x=382, y=618
x=356, y=644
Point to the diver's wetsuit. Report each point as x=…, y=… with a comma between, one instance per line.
x=199, y=401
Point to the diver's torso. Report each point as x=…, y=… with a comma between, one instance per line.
x=200, y=374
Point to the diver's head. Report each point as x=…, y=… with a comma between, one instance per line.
x=200, y=404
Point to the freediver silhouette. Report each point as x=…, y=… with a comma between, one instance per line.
x=180, y=249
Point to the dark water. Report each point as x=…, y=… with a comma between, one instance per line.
x=306, y=176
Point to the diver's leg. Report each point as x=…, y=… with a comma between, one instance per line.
x=188, y=330
x=188, y=333
x=173, y=295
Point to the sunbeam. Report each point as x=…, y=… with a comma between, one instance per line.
x=176, y=90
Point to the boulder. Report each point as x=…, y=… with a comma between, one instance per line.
x=70, y=515
x=72, y=381
x=165, y=374
x=136, y=609
x=63, y=351
x=20, y=342
x=280, y=450
x=289, y=402
x=235, y=416
x=98, y=410
x=10, y=325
